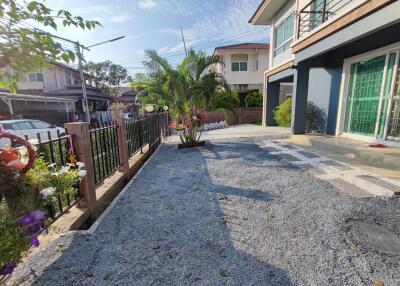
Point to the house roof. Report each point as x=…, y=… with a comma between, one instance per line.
x=244, y=46
x=34, y=97
x=76, y=91
x=68, y=67
x=126, y=90
x=127, y=95
x=265, y=12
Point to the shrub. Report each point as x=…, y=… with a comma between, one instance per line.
x=283, y=113
x=254, y=99
x=224, y=99
x=315, y=119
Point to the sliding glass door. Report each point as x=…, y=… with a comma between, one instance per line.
x=373, y=98
x=393, y=132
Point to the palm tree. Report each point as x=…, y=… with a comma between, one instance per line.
x=180, y=88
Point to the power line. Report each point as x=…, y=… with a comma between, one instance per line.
x=209, y=45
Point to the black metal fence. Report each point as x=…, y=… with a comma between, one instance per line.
x=55, y=150
x=148, y=130
x=137, y=135
x=317, y=12
x=105, y=149
x=157, y=125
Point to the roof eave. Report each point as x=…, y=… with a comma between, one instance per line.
x=266, y=11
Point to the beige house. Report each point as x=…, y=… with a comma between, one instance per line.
x=243, y=66
x=344, y=56
x=57, y=81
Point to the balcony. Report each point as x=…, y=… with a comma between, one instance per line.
x=317, y=12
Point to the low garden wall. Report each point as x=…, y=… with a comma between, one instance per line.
x=236, y=116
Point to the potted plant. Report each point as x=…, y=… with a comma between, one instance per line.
x=191, y=128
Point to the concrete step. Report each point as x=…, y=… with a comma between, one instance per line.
x=388, y=158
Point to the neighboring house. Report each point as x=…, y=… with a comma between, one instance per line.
x=60, y=81
x=243, y=66
x=343, y=56
x=128, y=97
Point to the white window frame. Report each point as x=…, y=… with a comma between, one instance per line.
x=34, y=73
x=291, y=39
x=69, y=75
x=240, y=63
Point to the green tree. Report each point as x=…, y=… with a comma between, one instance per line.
x=254, y=99
x=224, y=99
x=25, y=48
x=190, y=84
x=107, y=76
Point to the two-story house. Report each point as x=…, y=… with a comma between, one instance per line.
x=243, y=66
x=343, y=56
x=58, y=81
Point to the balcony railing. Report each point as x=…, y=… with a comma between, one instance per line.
x=317, y=12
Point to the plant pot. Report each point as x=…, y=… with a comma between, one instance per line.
x=196, y=144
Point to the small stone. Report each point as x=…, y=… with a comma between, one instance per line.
x=379, y=283
x=156, y=247
x=195, y=279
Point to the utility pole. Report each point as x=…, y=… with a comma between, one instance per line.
x=84, y=94
x=79, y=52
x=183, y=40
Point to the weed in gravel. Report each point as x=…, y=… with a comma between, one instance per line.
x=223, y=272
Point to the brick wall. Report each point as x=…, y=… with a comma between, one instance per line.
x=236, y=116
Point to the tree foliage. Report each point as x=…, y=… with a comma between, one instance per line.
x=108, y=76
x=316, y=118
x=224, y=99
x=283, y=113
x=189, y=84
x=25, y=48
x=254, y=99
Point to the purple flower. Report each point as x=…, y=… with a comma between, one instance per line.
x=27, y=220
x=35, y=217
x=8, y=269
x=35, y=241
x=35, y=229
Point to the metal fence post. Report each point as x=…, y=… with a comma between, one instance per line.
x=123, y=144
x=87, y=189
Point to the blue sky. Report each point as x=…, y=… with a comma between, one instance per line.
x=155, y=24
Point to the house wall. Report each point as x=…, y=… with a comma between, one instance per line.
x=53, y=79
x=321, y=76
x=253, y=76
x=288, y=8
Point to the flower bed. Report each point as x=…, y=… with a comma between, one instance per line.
x=191, y=128
x=30, y=188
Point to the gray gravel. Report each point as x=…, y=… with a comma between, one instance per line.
x=228, y=214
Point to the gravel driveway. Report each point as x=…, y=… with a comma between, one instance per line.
x=230, y=214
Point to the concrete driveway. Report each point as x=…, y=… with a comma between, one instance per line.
x=231, y=213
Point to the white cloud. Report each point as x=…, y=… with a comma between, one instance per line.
x=147, y=4
x=121, y=18
x=216, y=28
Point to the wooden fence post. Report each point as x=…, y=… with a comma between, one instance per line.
x=81, y=140
x=123, y=144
